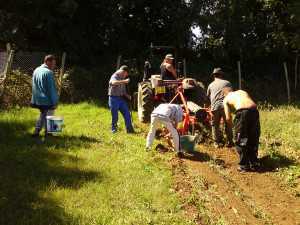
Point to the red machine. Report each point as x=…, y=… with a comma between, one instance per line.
x=190, y=122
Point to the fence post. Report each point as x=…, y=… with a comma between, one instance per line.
x=296, y=71
x=119, y=62
x=240, y=74
x=6, y=71
x=62, y=71
x=8, y=48
x=9, y=63
x=184, y=67
x=287, y=82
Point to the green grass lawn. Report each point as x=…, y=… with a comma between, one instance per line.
x=85, y=176
x=280, y=142
x=88, y=176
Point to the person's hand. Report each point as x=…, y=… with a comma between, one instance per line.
x=128, y=97
x=126, y=81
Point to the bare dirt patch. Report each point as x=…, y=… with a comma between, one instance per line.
x=226, y=196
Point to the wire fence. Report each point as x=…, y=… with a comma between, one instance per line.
x=16, y=70
x=3, y=59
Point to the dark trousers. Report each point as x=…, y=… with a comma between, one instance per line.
x=218, y=115
x=42, y=120
x=247, y=132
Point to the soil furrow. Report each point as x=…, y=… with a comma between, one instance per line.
x=255, y=196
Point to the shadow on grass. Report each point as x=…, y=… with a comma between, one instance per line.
x=197, y=156
x=30, y=170
x=275, y=161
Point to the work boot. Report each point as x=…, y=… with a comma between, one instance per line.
x=131, y=131
x=180, y=154
x=255, y=166
x=36, y=133
x=243, y=169
x=230, y=144
x=48, y=135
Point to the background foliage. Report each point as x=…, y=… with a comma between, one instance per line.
x=261, y=33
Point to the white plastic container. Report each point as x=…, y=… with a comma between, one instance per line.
x=156, y=81
x=54, y=124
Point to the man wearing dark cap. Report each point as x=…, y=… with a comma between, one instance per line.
x=44, y=93
x=117, y=98
x=216, y=95
x=168, y=71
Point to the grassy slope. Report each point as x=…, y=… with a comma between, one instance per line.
x=85, y=176
x=280, y=142
x=88, y=176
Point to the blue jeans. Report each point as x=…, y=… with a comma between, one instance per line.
x=117, y=104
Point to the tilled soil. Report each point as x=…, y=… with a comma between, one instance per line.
x=238, y=198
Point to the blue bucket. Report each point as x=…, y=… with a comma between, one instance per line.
x=54, y=124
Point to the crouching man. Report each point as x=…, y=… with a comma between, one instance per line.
x=246, y=126
x=168, y=115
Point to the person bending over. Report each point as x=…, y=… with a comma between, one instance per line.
x=117, y=99
x=246, y=127
x=167, y=69
x=167, y=115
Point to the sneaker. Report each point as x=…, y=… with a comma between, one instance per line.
x=147, y=149
x=131, y=131
x=114, y=131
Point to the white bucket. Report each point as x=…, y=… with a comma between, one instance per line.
x=54, y=124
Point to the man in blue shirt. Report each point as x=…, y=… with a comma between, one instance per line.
x=44, y=93
x=117, y=98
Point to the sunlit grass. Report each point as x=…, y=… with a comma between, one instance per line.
x=84, y=176
x=280, y=141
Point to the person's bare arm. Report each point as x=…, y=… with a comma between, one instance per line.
x=208, y=96
x=118, y=82
x=127, y=96
x=172, y=70
x=227, y=111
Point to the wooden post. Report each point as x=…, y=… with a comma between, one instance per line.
x=240, y=74
x=184, y=67
x=296, y=71
x=6, y=71
x=119, y=61
x=8, y=48
x=61, y=71
x=9, y=63
x=287, y=82
x=63, y=63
